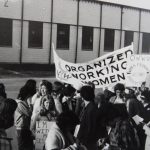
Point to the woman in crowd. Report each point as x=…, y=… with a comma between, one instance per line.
x=30, y=85
x=67, y=101
x=23, y=117
x=45, y=88
x=47, y=112
x=78, y=102
x=134, y=106
x=121, y=134
x=60, y=135
x=119, y=97
x=7, y=109
x=57, y=95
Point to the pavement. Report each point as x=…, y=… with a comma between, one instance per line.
x=14, y=79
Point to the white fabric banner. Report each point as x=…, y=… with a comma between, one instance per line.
x=103, y=71
x=138, y=70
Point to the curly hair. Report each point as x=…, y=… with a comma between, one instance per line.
x=119, y=86
x=48, y=85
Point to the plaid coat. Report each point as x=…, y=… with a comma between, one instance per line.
x=5, y=143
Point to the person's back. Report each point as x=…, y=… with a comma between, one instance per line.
x=134, y=107
x=22, y=124
x=88, y=127
x=122, y=134
x=87, y=134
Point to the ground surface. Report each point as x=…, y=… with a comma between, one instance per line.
x=14, y=78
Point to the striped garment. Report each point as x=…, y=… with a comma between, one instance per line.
x=5, y=143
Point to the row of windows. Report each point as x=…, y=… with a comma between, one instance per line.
x=35, y=39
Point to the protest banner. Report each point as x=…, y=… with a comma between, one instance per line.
x=138, y=70
x=103, y=71
x=42, y=129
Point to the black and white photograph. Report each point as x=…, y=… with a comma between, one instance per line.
x=74, y=74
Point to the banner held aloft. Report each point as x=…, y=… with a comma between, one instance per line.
x=104, y=71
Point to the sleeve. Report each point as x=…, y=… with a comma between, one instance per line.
x=58, y=106
x=23, y=109
x=34, y=98
x=52, y=142
x=71, y=147
x=33, y=123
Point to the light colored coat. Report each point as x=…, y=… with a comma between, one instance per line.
x=56, y=140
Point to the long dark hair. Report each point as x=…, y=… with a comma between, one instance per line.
x=2, y=90
x=28, y=90
x=7, y=113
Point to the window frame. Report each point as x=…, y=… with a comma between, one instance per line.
x=59, y=27
x=145, y=40
x=35, y=47
x=126, y=42
x=84, y=31
x=113, y=43
x=10, y=45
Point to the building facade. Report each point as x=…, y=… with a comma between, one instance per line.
x=81, y=30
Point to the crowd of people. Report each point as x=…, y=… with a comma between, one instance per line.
x=104, y=119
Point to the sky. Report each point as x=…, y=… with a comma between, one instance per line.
x=136, y=3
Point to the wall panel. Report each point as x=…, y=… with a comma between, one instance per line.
x=10, y=9
x=130, y=19
x=89, y=14
x=37, y=10
x=65, y=11
x=111, y=16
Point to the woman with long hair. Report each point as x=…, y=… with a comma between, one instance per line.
x=47, y=112
x=45, y=87
x=23, y=116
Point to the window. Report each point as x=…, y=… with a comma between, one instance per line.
x=109, y=40
x=128, y=38
x=35, y=34
x=146, y=43
x=63, y=32
x=87, y=38
x=5, y=32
